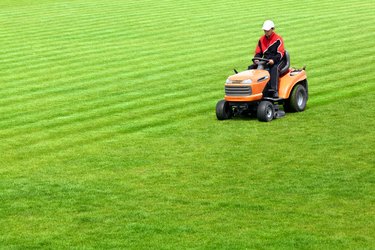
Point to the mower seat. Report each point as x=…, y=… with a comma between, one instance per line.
x=286, y=63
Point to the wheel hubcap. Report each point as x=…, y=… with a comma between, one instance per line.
x=300, y=99
x=269, y=112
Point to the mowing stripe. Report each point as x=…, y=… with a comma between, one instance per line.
x=75, y=67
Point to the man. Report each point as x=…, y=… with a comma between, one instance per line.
x=271, y=46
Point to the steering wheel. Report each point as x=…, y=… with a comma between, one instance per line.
x=263, y=60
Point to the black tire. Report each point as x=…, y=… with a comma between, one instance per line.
x=297, y=100
x=265, y=111
x=223, y=110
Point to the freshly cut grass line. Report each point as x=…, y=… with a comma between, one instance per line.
x=110, y=102
x=87, y=124
x=346, y=93
x=100, y=126
x=338, y=81
x=60, y=10
x=342, y=72
x=100, y=46
x=99, y=54
x=319, y=40
x=82, y=80
x=84, y=84
x=146, y=18
x=150, y=17
x=91, y=114
x=67, y=51
x=101, y=85
x=343, y=86
x=319, y=49
x=31, y=119
x=66, y=144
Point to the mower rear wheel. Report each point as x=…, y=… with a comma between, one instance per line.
x=265, y=111
x=297, y=100
x=223, y=110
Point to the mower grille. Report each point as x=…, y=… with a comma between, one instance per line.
x=237, y=90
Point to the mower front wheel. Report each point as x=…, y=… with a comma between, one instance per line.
x=265, y=111
x=223, y=110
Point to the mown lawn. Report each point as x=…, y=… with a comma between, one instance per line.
x=109, y=137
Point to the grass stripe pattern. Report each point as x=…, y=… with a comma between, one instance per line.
x=109, y=137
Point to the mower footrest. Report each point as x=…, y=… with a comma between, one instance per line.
x=280, y=113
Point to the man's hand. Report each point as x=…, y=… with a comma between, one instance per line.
x=271, y=62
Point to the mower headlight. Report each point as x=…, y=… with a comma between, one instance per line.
x=229, y=81
x=248, y=81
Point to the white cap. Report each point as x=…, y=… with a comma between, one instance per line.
x=268, y=25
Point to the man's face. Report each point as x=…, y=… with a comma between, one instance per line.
x=268, y=32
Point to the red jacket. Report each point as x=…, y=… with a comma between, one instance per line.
x=270, y=48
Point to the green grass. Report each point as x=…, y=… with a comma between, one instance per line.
x=109, y=137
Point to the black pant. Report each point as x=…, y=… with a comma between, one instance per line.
x=274, y=74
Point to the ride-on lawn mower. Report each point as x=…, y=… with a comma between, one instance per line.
x=247, y=92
